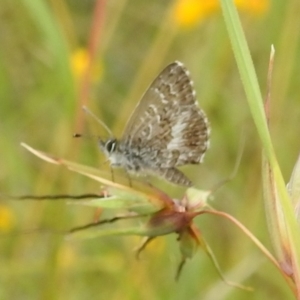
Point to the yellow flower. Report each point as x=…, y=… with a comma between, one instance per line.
x=80, y=60
x=190, y=12
x=7, y=219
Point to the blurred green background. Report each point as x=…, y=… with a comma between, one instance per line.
x=45, y=78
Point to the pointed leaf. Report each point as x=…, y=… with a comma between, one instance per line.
x=275, y=217
x=119, y=201
x=188, y=244
x=101, y=231
x=137, y=188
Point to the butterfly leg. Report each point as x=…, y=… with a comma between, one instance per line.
x=147, y=179
x=175, y=176
x=129, y=180
x=112, y=174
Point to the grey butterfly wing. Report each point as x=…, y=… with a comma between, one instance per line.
x=151, y=99
x=168, y=121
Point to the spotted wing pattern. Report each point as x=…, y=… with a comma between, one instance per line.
x=168, y=121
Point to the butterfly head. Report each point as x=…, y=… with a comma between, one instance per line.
x=110, y=149
x=108, y=146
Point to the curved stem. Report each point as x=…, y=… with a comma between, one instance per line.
x=264, y=250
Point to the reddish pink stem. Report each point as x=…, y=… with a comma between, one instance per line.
x=93, y=45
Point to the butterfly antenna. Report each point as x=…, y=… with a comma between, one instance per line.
x=86, y=110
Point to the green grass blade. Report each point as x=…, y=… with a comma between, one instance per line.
x=255, y=102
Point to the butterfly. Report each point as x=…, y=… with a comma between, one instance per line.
x=166, y=130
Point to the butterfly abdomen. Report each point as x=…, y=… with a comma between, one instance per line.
x=175, y=176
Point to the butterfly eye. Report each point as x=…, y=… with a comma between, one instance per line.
x=110, y=145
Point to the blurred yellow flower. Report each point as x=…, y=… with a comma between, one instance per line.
x=190, y=12
x=7, y=219
x=79, y=62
